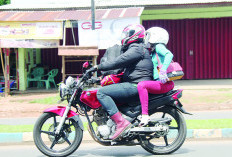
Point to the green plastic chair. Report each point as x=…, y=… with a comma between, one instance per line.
x=35, y=75
x=50, y=78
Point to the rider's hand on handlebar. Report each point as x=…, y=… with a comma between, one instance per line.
x=95, y=79
x=93, y=69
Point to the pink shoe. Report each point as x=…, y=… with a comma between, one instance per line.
x=122, y=125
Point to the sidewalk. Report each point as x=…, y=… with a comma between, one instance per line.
x=201, y=85
x=205, y=84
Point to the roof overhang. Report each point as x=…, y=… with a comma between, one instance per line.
x=78, y=51
x=100, y=14
x=106, y=4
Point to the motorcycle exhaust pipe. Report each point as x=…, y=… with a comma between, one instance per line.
x=149, y=129
x=158, y=126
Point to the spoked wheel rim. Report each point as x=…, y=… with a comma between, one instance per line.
x=62, y=144
x=57, y=139
x=169, y=141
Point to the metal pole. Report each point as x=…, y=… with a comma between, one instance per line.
x=7, y=70
x=3, y=69
x=74, y=40
x=93, y=14
x=64, y=34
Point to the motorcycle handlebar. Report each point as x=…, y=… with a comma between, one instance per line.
x=85, y=78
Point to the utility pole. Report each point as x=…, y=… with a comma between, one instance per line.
x=93, y=14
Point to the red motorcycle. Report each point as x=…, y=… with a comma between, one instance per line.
x=59, y=130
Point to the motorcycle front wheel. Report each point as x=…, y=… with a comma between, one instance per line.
x=59, y=145
x=161, y=143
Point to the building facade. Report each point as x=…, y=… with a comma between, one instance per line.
x=200, y=31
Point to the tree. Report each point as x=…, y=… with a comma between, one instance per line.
x=3, y=2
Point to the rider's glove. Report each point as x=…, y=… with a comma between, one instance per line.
x=163, y=76
x=95, y=79
x=93, y=69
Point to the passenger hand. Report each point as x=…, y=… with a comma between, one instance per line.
x=163, y=76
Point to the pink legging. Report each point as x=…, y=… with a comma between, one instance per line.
x=153, y=87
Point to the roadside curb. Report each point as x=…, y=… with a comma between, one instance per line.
x=191, y=134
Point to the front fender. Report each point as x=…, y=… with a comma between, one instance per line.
x=59, y=110
x=79, y=121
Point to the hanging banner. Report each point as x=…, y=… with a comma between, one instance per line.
x=106, y=34
x=31, y=30
x=28, y=43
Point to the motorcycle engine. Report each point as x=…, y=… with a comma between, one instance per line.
x=105, y=126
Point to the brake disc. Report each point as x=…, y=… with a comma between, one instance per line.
x=66, y=130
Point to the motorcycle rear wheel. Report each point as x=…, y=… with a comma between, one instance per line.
x=50, y=144
x=170, y=142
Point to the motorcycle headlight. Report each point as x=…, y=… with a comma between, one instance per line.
x=70, y=81
x=67, y=88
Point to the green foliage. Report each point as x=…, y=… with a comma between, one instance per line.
x=3, y=2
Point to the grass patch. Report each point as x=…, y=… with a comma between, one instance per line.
x=16, y=128
x=191, y=124
x=209, y=124
x=48, y=100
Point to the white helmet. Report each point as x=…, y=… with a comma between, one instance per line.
x=157, y=35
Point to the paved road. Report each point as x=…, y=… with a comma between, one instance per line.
x=190, y=148
x=226, y=114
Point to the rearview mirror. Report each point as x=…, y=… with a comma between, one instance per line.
x=86, y=65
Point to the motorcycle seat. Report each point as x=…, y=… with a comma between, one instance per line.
x=157, y=96
x=133, y=109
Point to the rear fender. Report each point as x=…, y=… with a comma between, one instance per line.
x=178, y=94
x=177, y=104
x=59, y=110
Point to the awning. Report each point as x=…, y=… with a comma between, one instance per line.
x=70, y=14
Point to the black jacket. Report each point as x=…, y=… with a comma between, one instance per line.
x=110, y=54
x=136, y=62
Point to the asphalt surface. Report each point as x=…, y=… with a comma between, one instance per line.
x=214, y=148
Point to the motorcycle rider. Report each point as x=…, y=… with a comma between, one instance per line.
x=158, y=39
x=137, y=64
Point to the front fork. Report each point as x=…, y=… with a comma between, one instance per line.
x=62, y=119
x=65, y=112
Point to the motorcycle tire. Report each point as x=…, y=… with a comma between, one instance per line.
x=46, y=140
x=179, y=129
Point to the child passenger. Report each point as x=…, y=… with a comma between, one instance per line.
x=158, y=39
